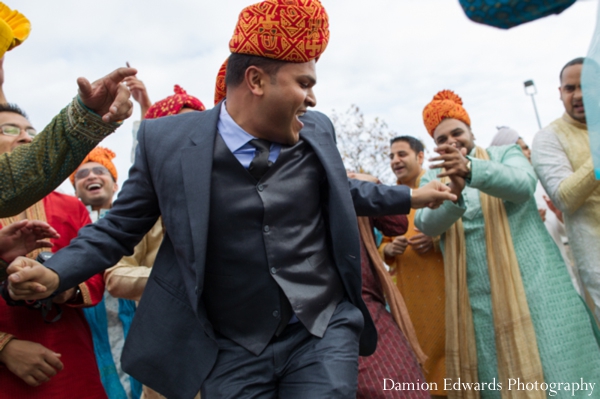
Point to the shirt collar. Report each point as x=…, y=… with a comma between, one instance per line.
x=234, y=136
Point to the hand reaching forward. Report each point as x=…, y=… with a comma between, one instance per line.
x=20, y=238
x=30, y=361
x=30, y=280
x=431, y=195
x=454, y=163
x=107, y=96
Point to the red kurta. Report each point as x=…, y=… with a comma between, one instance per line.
x=393, y=359
x=70, y=336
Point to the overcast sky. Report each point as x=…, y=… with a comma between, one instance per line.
x=389, y=57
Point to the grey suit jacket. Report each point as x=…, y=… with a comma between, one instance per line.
x=171, y=346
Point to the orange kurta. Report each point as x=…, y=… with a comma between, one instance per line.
x=420, y=279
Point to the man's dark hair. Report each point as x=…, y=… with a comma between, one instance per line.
x=14, y=108
x=575, y=61
x=414, y=143
x=238, y=63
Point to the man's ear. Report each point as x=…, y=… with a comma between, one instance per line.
x=420, y=157
x=254, y=78
x=115, y=187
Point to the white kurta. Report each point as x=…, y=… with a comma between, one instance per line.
x=562, y=160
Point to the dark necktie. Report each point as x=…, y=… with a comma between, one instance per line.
x=260, y=164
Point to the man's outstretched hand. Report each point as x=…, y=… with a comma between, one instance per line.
x=30, y=280
x=431, y=195
x=20, y=238
x=107, y=96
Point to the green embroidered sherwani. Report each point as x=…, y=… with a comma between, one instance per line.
x=32, y=171
x=567, y=345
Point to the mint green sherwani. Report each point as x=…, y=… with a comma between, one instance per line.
x=568, y=348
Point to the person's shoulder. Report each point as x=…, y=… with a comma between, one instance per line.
x=317, y=118
x=500, y=151
x=65, y=202
x=546, y=135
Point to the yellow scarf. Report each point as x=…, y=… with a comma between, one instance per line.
x=516, y=343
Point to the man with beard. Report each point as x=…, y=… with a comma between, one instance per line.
x=562, y=160
x=506, y=282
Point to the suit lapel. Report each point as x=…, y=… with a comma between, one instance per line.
x=196, y=163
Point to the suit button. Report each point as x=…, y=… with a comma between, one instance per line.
x=196, y=289
x=275, y=313
x=260, y=187
x=273, y=270
x=266, y=229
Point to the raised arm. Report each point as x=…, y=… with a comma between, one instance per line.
x=99, y=245
x=33, y=170
x=435, y=222
x=512, y=178
x=567, y=189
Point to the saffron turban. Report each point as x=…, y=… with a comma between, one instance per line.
x=285, y=30
x=100, y=155
x=14, y=29
x=173, y=104
x=445, y=104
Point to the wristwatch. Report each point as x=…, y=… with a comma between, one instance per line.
x=468, y=176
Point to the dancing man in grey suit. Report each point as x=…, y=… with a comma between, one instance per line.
x=256, y=289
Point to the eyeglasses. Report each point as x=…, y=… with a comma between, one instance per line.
x=11, y=130
x=98, y=171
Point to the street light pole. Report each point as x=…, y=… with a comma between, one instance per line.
x=530, y=90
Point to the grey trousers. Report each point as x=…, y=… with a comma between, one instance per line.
x=294, y=365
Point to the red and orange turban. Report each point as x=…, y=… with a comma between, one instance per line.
x=445, y=104
x=14, y=28
x=100, y=155
x=285, y=30
x=173, y=104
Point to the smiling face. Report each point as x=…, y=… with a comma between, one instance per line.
x=570, y=92
x=455, y=133
x=405, y=163
x=286, y=96
x=9, y=143
x=96, y=190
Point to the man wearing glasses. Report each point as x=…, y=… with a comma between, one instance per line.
x=43, y=358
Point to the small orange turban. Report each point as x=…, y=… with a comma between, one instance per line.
x=445, y=104
x=14, y=29
x=173, y=104
x=104, y=157
x=285, y=30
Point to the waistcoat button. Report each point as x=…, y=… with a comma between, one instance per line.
x=266, y=229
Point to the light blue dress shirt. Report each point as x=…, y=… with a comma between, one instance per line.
x=238, y=140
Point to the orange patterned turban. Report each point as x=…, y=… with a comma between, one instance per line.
x=221, y=88
x=445, y=104
x=14, y=29
x=173, y=104
x=100, y=155
x=285, y=30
